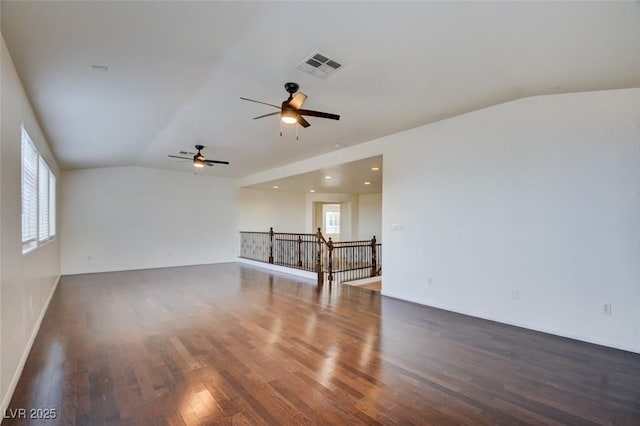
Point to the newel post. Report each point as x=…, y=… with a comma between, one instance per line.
x=271, y=245
x=330, y=248
x=374, y=258
x=319, y=258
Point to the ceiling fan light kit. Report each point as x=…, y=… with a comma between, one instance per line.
x=288, y=116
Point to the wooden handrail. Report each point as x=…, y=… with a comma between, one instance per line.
x=294, y=234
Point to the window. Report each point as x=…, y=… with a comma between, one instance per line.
x=29, y=193
x=38, y=197
x=333, y=222
x=43, y=200
x=52, y=205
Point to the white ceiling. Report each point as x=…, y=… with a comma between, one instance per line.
x=177, y=70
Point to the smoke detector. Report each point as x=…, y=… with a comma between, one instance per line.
x=319, y=65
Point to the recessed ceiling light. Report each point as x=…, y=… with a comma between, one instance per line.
x=337, y=146
x=275, y=187
x=367, y=183
x=312, y=190
x=327, y=177
x=375, y=169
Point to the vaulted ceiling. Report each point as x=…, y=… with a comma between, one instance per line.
x=176, y=70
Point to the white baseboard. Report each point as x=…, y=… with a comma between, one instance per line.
x=27, y=350
x=555, y=332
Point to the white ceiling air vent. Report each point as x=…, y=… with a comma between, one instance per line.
x=320, y=65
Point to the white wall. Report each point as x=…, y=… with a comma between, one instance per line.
x=370, y=216
x=28, y=280
x=134, y=218
x=259, y=210
x=526, y=213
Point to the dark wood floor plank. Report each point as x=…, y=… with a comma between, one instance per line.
x=231, y=344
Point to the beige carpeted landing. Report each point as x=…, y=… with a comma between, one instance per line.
x=373, y=284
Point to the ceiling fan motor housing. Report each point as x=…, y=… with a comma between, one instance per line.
x=291, y=87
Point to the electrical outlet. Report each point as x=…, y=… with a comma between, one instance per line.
x=430, y=281
x=606, y=309
x=515, y=295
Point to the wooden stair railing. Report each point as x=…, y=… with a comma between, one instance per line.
x=353, y=260
x=339, y=260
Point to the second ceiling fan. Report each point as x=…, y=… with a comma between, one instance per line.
x=198, y=158
x=291, y=111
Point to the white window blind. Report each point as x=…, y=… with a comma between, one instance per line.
x=43, y=201
x=52, y=205
x=29, y=191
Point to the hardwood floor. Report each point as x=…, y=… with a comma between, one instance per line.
x=232, y=344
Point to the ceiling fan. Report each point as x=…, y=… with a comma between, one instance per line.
x=198, y=158
x=291, y=111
